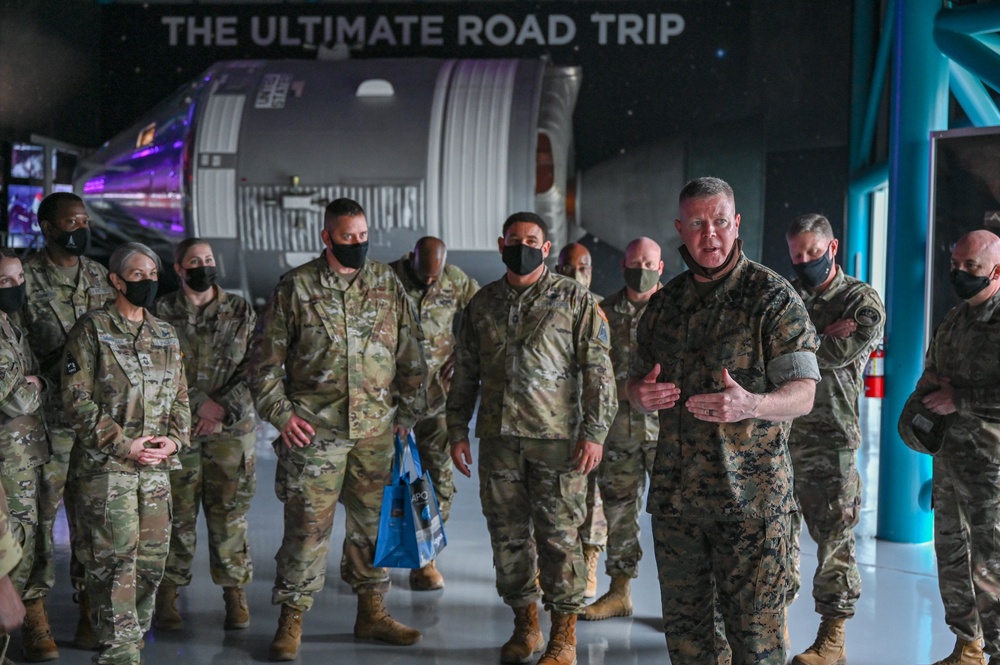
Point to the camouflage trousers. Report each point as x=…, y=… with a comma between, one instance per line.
x=435, y=456
x=622, y=477
x=594, y=530
x=967, y=544
x=828, y=492
x=126, y=518
x=534, y=502
x=738, y=568
x=21, y=489
x=219, y=476
x=53, y=488
x=309, y=481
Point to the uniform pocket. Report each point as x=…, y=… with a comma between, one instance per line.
x=774, y=564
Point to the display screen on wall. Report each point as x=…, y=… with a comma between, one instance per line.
x=22, y=214
x=965, y=196
x=27, y=160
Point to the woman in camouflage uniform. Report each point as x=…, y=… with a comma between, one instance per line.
x=126, y=397
x=217, y=471
x=24, y=447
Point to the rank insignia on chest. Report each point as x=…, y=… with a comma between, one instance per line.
x=72, y=367
x=867, y=316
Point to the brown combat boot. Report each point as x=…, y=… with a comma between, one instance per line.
x=591, y=553
x=374, y=623
x=829, y=647
x=288, y=637
x=617, y=602
x=527, y=638
x=165, y=614
x=427, y=578
x=36, y=636
x=237, y=610
x=562, y=641
x=84, y=638
x=965, y=653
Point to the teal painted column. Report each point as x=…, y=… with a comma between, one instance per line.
x=919, y=94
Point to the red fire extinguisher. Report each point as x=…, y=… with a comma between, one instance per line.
x=875, y=373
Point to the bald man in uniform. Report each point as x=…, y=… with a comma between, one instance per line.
x=575, y=263
x=961, y=375
x=438, y=292
x=631, y=443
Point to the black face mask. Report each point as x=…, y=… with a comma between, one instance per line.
x=350, y=256
x=12, y=298
x=967, y=285
x=202, y=278
x=522, y=259
x=813, y=273
x=74, y=242
x=141, y=293
x=641, y=280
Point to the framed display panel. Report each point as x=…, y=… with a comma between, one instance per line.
x=965, y=196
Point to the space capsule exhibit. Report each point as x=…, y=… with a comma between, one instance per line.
x=247, y=156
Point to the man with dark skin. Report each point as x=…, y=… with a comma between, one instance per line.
x=437, y=293
x=575, y=263
x=62, y=284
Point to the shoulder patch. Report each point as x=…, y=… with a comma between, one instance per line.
x=868, y=316
x=602, y=333
x=600, y=312
x=72, y=367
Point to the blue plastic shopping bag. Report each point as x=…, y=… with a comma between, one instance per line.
x=410, y=530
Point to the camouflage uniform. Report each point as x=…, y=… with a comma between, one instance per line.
x=10, y=550
x=967, y=472
x=435, y=309
x=217, y=469
x=594, y=530
x=119, y=385
x=54, y=303
x=539, y=357
x=721, y=493
x=630, y=448
x=824, y=442
x=24, y=447
x=345, y=357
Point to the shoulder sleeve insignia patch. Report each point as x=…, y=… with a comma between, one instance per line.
x=868, y=316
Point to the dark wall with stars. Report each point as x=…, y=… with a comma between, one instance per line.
x=87, y=71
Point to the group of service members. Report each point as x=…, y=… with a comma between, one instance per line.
x=149, y=416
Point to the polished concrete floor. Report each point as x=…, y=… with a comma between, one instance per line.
x=899, y=619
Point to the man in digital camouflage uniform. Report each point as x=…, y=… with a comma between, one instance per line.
x=961, y=376
x=335, y=363
x=62, y=285
x=575, y=262
x=726, y=356
x=438, y=292
x=534, y=345
x=631, y=443
x=849, y=317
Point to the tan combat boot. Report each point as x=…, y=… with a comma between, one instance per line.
x=374, y=623
x=965, y=653
x=527, y=638
x=617, y=602
x=237, y=610
x=562, y=641
x=36, y=636
x=829, y=647
x=165, y=614
x=591, y=554
x=288, y=637
x=84, y=638
x=427, y=578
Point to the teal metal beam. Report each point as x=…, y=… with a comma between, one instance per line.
x=880, y=72
x=973, y=97
x=865, y=15
x=955, y=33
x=858, y=236
x=919, y=96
